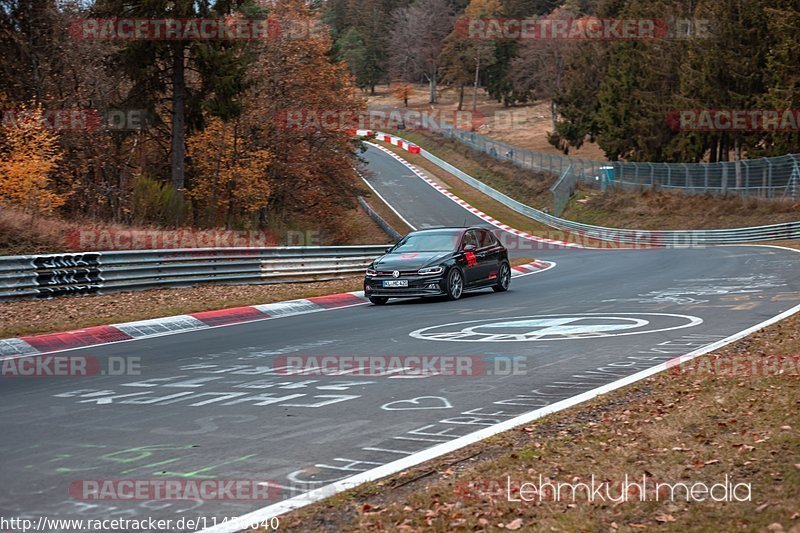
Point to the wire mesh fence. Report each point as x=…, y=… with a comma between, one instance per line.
x=772, y=178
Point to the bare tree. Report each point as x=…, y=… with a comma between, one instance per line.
x=540, y=65
x=417, y=37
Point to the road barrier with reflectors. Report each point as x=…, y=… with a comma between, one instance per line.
x=45, y=276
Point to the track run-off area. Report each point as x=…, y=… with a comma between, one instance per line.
x=215, y=403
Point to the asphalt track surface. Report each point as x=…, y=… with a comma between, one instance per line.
x=209, y=404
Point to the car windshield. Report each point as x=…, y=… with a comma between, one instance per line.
x=427, y=242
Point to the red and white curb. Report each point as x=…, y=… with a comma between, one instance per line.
x=475, y=211
x=391, y=139
x=102, y=335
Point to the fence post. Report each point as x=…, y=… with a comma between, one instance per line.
x=769, y=178
x=688, y=179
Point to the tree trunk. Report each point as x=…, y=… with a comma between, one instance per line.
x=433, y=87
x=554, y=115
x=461, y=98
x=178, y=117
x=713, y=150
x=724, y=148
x=475, y=86
x=213, y=208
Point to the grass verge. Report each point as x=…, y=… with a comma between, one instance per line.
x=638, y=209
x=651, y=210
x=681, y=426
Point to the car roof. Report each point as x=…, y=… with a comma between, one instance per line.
x=449, y=229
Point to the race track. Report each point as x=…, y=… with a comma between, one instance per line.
x=210, y=404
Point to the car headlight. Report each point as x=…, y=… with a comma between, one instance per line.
x=371, y=272
x=430, y=271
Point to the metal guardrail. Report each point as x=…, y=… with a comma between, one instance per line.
x=671, y=238
x=563, y=190
x=45, y=276
x=768, y=177
x=379, y=220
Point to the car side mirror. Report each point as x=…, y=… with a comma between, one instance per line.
x=470, y=248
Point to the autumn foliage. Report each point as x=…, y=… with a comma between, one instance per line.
x=232, y=174
x=29, y=155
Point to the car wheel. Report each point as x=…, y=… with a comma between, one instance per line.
x=378, y=300
x=503, y=278
x=455, y=284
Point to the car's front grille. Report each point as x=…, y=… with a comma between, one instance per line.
x=390, y=273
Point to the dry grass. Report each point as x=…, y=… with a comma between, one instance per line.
x=25, y=234
x=645, y=209
x=22, y=233
x=359, y=228
x=524, y=125
x=380, y=207
x=673, y=427
x=527, y=186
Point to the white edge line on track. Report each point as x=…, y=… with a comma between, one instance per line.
x=265, y=513
x=420, y=173
x=374, y=190
x=515, y=274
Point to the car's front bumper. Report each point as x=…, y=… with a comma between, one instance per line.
x=418, y=286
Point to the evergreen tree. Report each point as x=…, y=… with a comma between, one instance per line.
x=195, y=75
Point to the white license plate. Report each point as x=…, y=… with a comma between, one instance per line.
x=395, y=283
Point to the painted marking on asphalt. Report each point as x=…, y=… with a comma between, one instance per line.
x=398, y=452
x=421, y=403
x=556, y=327
x=446, y=447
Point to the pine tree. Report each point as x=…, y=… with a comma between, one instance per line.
x=195, y=75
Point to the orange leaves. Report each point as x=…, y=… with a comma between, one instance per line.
x=30, y=155
x=231, y=172
x=402, y=92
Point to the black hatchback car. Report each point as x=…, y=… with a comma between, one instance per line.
x=439, y=262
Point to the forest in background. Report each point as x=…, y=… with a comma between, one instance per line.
x=212, y=151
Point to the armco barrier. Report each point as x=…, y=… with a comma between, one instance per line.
x=666, y=238
x=44, y=276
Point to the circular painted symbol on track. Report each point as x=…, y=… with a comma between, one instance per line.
x=556, y=327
